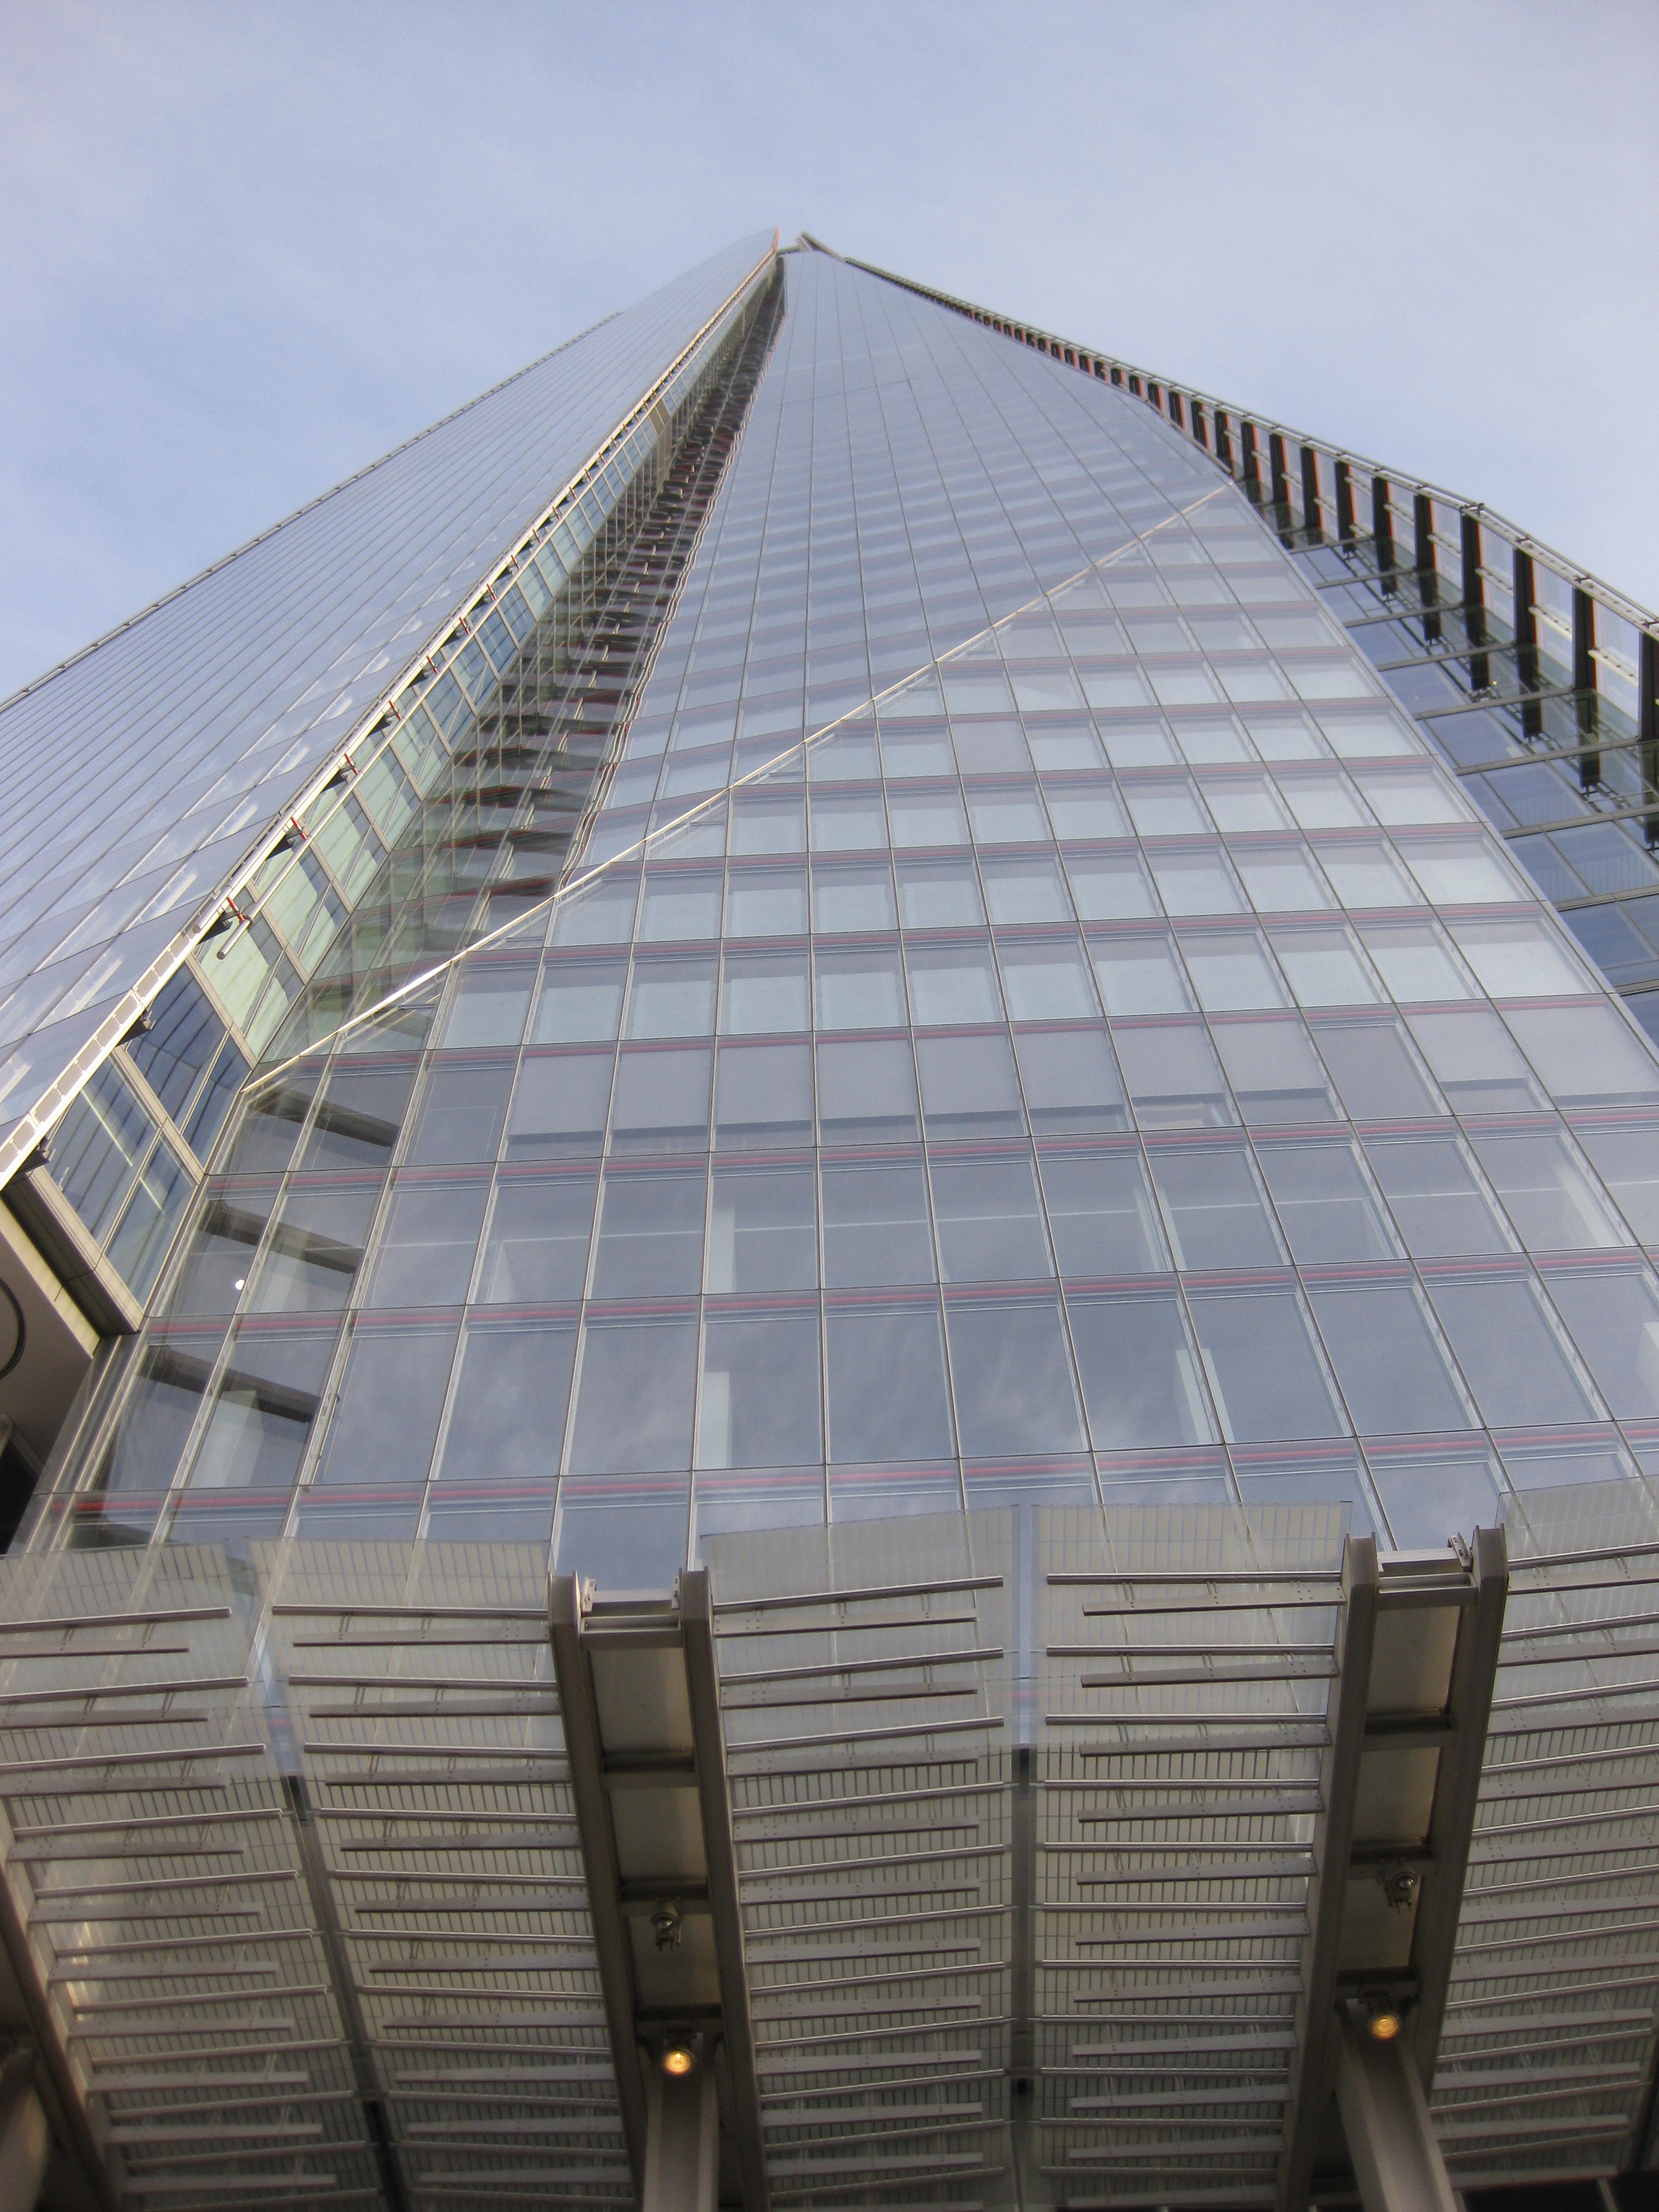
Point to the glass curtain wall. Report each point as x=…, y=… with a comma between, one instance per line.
x=1032, y=1022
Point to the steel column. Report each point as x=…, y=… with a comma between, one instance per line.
x=1385, y=2117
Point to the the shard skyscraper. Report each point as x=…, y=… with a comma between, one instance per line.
x=831, y=1170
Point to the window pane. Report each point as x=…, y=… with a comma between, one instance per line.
x=1140, y=974
x=1071, y=1080
x=1141, y=1378
x=151, y=1220
x=766, y=903
x=1012, y=1374
x=385, y=1419
x=560, y=1105
x=96, y=1148
x=1325, y=1205
x=1549, y=1196
x=672, y=998
x=952, y=984
x=1435, y=1196
x=1508, y=1351
x=764, y=994
x=763, y=1230
x=990, y=1224
x=1231, y=970
x=1084, y=811
x=506, y=1424
x=580, y=1000
x=1213, y=1206
x=538, y=1246
x=678, y=908
x=1102, y=1214
x=218, y=1259
x=183, y=1035
x=1477, y=1063
x=1614, y=1315
x=759, y=1403
x=1387, y=1359
x=868, y=1092
x=887, y=1395
x=876, y=1228
x=968, y=1088
x=635, y=1397
x=153, y=1425
x=1365, y=873
x=1427, y=1493
x=459, y=1116
x=266, y=1401
x=1415, y=962
x=1520, y=959
x=858, y=990
x=661, y=1102
x=1110, y=886
x=1276, y=1074
x=1587, y=1055
x=487, y=1005
x=1027, y=889
x=650, y=1239
x=1046, y=981
x=1173, y=1076
x=1325, y=967
x=851, y=897
x=1375, y=1070
x=1195, y=881
x=425, y=1255
x=1281, y=878
x=762, y=1096
x=1629, y=1162
x=1260, y=1359
x=315, y=1250
x=940, y=895
x=921, y=818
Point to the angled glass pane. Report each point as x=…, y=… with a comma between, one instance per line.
x=1141, y=1381
x=1011, y=1370
x=1264, y=1374
x=1388, y=1362
x=887, y=1395
x=758, y=1404
x=536, y=1247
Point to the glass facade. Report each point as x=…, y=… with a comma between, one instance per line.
x=932, y=968
x=1029, y=1019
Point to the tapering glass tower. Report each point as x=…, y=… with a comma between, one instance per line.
x=965, y=1036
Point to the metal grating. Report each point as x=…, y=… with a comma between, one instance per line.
x=870, y=1782
x=1191, y=1661
x=1550, y=2028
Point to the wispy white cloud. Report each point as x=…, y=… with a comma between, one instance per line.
x=243, y=249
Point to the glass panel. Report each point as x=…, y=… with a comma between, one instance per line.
x=1378, y=1075
x=661, y=1102
x=672, y=998
x=1325, y=1205
x=1613, y=1314
x=1046, y=980
x=96, y=1148
x=1102, y=1215
x=426, y=1249
x=1549, y=1195
x=1325, y=967
x=1281, y=878
x=1586, y=1055
x=580, y=1000
x=487, y=1005
x=1477, y=1062
x=1416, y=962
x=1258, y=1354
x=1173, y=1076
x=635, y=1397
x=876, y=1228
x=385, y=1419
x=1140, y=974
x=1507, y=1346
x=207, y=1117
x=763, y=1230
x=559, y=1105
x=361, y=1110
x=538, y=1245
x=940, y=894
x=1028, y=890
x=1522, y=959
x=1012, y=1373
x=853, y=896
x=990, y=1224
x=1276, y=1074
x=1366, y=873
x=1141, y=1378
x=969, y=1087
x=183, y=1035
x=267, y=1400
x=921, y=818
x=650, y=1239
x=766, y=903
x=1388, y=1358
x=461, y=1113
x=886, y=1378
x=1110, y=886
x=316, y=1249
x=868, y=1092
x=1231, y=971
x=1071, y=1081
x=676, y=909
x=858, y=990
x=1213, y=1206
x=151, y=1221
x=154, y=1423
x=762, y=1096
x=951, y=984
x=1629, y=1161
x=507, y=1424
x=764, y=994
x=1195, y=881
x=219, y=1257
x=759, y=1402
x=1435, y=1196
x=1424, y=1493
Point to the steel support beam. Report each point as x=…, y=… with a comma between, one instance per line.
x=1385, y=2117
x=682, y=2142
x=1310, y=2085
x=703, y=1686
x=25, y=2135
x=579, y=1714
x=1451, y=1823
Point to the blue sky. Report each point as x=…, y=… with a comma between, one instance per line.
x=245, y=248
